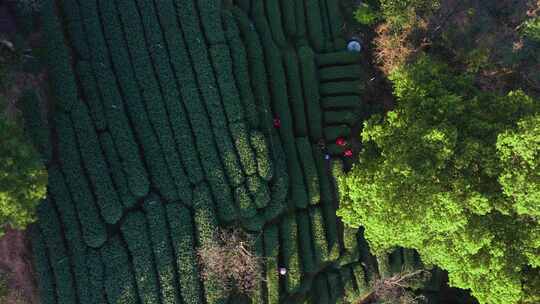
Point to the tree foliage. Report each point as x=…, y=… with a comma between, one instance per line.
x=22, y=176
x=452, y=172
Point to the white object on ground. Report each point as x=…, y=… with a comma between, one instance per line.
x=282, y=271
x=354, y=46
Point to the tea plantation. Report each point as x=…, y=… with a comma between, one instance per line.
x=173, y=118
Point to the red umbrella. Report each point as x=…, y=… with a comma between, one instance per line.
x=277, y=123
x=348, y=153
x=340, y=141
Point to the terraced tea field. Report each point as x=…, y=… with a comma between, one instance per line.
x=174, y=118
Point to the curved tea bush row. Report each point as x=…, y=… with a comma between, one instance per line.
x=60, y=261
x=306, y=247
x=119, y=283
x=96, y=277
x=333, y=73
x=210, y=12
x=183, y=244
x=310, y=170
x=161, y=246
x=93, y=228
x=296, y=96
x=95, y=164
x=115, y=115
x=119, y=179
x=289, y=247
x=206, y=226
x=68, y=218
x=42, y=266
x=338, y=58
x=339, y=102
x=311, y=92
x=133, y=99
x=241, y=70
x=58, y=58
x=271, y=251
x=91, y=93
x=275, y=21
x=135, y=233
x=262, y=153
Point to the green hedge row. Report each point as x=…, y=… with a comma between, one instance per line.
x=300, y=16
x=115, y=112
x=271, y=252
x=91, y=94
x=153, y=153
x=262, y=155
x=295, y=92
x=93, y=228
x=180, y=129
x=339, y=72
x=207, y=225
x=119, y=283
x=161, y=246
x=72, y=234
x=229, y=157
x=259, y=190
x=289, y=252
x=177, y=113
x=245, y=204
x=96, y=277
x=327, y=204
x=95, y=164
x=118, y=176
x=311, y=91
x=258, y=15
x=230, y=96
x=34, y=124
x=306, y=248
x=289, y=18
x=338, y=102
x=58, y=58
x=183, y=244
x=321, y=289
x=327, y=35
x=245, y=5
x=254, y=224
x=318, y=232
x=273, y=11
x=341, y=88
x=201, y=126
x=335, y=287
x=336, y=21
x=360, y=278
x=51, y=229
x=280, y=184
x=274, y=209
x=158, y=132
x=383, y=265
x=314, y=24
x=246, y=154
x=210, y=12
x=258, y=295
x=72, y=17
x=135, y=232
x=340, y=117
x=338, y=58
x=241, y=70
x=309, y=169
x=42, y=267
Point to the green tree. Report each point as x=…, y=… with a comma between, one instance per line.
x=451, y=173
x=22, y=176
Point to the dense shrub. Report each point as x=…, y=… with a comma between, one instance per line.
x=318, y=233
x=35, y=125
x=455, y=185
x=244, y=202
